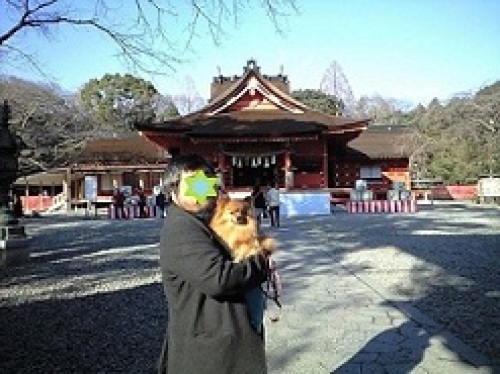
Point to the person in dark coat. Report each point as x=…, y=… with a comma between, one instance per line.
x=208, y=330
x=160, y=202
x=142, y=204
x=259, y=203
x=119, y=204
x=17, y=206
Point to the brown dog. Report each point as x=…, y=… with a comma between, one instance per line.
x=235, y=224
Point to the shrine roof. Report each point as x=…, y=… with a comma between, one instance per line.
x=255, y=122
x=131, y=149
x=252, y=79
x=252, y=106
x=374, y=143
x=382, y=142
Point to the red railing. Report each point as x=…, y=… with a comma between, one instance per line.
x=455, y=192
x=36, y=203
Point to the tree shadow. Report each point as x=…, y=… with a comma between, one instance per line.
x=90, y=299
x=396, y=350
x=112, y=332
x=456, y=251
x=58, y=330
x=58, y=241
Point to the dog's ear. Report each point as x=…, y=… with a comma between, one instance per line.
x=223, y=200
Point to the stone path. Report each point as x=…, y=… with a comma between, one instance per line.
x=374, y=293
x=390, y=293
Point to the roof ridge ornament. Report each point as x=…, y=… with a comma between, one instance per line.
x=251, y=65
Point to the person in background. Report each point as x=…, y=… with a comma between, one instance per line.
x=17, y=206
x=160, y=202
x=258, y=202
x=208, y=329
x=273, y=203
x=142, y=204
x=119, y=202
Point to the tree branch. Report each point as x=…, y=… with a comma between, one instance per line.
x=144, y=49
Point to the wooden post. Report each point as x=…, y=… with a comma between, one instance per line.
x=325, y=165
x=68, y=189
x=26, y=187
x=288, y=160
x=288, y=171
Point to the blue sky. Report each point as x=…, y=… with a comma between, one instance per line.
x=412, y=50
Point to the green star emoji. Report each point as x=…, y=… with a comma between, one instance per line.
x=200, y=186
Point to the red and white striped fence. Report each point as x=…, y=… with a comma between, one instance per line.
x=382, y=206
x=132, y=211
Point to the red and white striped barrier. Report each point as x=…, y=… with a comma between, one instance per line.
x=131, y=211
x=382, y=206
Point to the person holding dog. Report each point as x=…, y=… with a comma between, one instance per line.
x=208, y=328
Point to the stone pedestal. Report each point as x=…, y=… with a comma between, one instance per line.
x=14, y=246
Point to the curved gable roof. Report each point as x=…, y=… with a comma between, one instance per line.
x=253, y=80
x=288, y=117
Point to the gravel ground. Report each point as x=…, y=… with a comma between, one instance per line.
x=91, y=300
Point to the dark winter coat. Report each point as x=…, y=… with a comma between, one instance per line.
x=259, y=199
x=209, y=329
x=161, y=200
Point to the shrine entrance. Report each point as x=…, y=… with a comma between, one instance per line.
x=249, y=171
x=249, y=176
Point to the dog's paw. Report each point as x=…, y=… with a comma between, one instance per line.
x=268, y=244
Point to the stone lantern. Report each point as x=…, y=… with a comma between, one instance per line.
x=13, y=239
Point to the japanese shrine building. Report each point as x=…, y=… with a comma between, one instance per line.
x=255, y=132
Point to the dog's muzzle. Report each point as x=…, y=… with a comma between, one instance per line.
x=242, y=220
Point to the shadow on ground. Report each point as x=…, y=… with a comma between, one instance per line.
x=122, y=330
x=117, y=332
x=456, y=282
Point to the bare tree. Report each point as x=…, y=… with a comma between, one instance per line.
x=142, y=35
x=335, y=83
x=190, y=100
x=386, y=111
x=50, y=121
